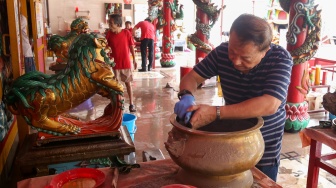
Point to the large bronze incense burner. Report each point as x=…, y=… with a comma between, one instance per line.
x=220, y=154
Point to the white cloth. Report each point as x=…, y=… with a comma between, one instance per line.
x=26, y=48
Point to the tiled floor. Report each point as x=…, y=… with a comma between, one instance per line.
x=155, y=94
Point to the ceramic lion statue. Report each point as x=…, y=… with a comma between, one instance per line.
x=42, y=98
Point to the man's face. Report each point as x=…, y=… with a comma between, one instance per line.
x=113, y=26
x=128, y=26
x=244, y=56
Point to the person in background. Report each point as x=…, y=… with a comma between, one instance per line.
x=29, y=62
x=121, y=43
x=254, y=76
x=147, y=41
x=128, y=26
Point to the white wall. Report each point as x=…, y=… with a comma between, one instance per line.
x=62, y=13
x=328, y=17
x=189, y=23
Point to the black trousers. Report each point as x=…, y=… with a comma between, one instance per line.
x=143, y=48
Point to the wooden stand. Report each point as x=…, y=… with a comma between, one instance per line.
x=34, y=160
x=316, y=137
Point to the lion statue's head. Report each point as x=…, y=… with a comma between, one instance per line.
x=79, y=26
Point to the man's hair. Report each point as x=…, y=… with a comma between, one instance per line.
x=128, y=22
x=250, y=28
x=116, y=19
x=148, y=20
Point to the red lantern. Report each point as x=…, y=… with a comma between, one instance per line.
x=127, y=1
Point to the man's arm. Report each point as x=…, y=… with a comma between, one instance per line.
x=133, y=55
x=264, y=105
x=134, y=29
x=259, y=106
x=190, y=81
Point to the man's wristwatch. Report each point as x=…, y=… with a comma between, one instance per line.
x=217, y=112
x=183, y=92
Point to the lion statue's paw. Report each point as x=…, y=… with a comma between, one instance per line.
x=66, y=129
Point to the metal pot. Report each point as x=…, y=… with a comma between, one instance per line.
x=220, y=154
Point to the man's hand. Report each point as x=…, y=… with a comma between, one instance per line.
x=182, y=106
x=203, y=115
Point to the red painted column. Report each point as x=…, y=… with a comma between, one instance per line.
x=204, y=19
x=167, y=56
x=294, y=96
x=154, y=22
x=300, y=11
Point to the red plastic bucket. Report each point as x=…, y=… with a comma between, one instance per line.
x=184, y=71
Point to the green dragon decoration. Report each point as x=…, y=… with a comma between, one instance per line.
x=42, y=98
x=177, y=13
x=204, y=28
x=312, y=19
x=309, y=48
x=199, y=44
x=210, y=9
x=60, y=44
x=213, y=13
x=155, y=12
x=297, y=116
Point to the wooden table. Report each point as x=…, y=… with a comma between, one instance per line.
x=32, y=159
x=150, y=174
x=315, y=137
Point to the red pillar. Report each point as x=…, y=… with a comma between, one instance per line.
x=167, y=56
x=302, y=48
x=294, y=96
x=154, y=22
x=204, y=19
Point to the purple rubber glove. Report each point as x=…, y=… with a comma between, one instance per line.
x=181, y=107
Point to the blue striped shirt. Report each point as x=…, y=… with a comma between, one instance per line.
x=271, y=76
